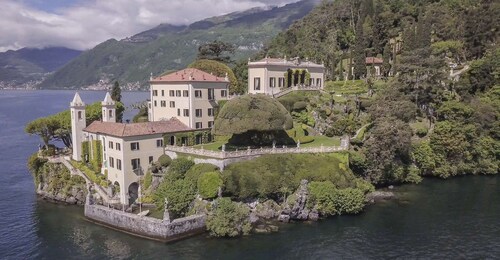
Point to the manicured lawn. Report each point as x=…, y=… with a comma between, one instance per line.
x=215, y=146
x=352, y=87
x=318, y=140
x=325, y=140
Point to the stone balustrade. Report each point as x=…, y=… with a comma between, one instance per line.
x=296, y=88
x=259, y=151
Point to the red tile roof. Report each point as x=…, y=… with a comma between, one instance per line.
x=189, y=75
x=374, y=60
x=136, y=129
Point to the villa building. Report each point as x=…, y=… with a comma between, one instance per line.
x=273, y=75
x=181, y=112
x=190, y=95
x=373, y=66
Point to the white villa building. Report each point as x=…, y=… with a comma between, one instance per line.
x=273, y=75
x=190, y=95
x=181, y=111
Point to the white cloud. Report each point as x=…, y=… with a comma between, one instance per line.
x=84, y=25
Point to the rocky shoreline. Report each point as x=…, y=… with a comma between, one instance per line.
x=57, y=186
x=75, y=197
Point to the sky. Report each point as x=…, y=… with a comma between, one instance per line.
x=82, y=24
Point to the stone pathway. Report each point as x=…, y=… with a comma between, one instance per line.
x=74, y=171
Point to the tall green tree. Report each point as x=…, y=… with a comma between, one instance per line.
x=116, y=92
x=216, y=50
x=423, y=32
x=220, y=70
x=359, y=52
x=386, y=56
x=481, y=27
x=387, y=150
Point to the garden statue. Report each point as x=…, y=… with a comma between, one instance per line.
x=166, y=214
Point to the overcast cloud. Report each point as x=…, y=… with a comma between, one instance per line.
x=87, y=23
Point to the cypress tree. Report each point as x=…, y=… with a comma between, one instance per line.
x=423, y=34
x=116, y=92
x=359, y=52
x=409, y=39
x=386, y=56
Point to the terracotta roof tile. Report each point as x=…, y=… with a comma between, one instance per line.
x=189, y=75
x=374, y=60
x=136, y=129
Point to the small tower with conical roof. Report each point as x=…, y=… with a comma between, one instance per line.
x=108, y=109
x=78, y=123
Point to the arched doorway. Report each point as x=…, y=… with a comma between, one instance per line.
x=172, y=140
x=133, y=192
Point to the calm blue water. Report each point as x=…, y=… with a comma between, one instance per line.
x=458, y=218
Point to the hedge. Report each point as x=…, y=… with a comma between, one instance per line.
x=208, y=184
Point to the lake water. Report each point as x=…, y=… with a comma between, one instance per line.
x=457, y=218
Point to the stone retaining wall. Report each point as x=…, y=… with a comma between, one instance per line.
x=222, y=163
x=146, y=226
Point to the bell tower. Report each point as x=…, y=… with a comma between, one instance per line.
x=78, y=123
x=108, y=109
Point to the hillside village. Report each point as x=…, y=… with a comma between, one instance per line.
x=301, y=131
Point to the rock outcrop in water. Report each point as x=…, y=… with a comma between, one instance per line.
x=55, y=183
x=295, y=206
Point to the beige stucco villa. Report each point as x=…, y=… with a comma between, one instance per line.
x=273, y=75
x=181, y=112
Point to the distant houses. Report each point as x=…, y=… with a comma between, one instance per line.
x=373, y=67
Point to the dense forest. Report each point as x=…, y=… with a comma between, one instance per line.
x=439, y=113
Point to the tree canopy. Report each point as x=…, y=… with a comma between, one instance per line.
x=116, y=92
x=220, y=70
x=252, y=112
x=57, y=127
x=259, y=118
x=216, y=50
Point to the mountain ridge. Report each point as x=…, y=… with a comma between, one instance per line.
x=26, y=66
x=169, y=47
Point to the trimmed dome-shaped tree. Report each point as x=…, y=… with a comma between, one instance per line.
x=208, y=184
x=219, y=69
x=254, y=120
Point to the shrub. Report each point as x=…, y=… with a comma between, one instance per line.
x=197, y=170
x=421, y=131
x=148, y=179
x=35, y=163
x=321, y=196
x=229, y=219
x=96, y=178
x=179, y=167
x=164, y=160
x=179, y=193
x=50, y=151
x=264, y=177
x=364, y=186
x=349, y=201
x=299, y=106
x=208, y=184
x=330, y=201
